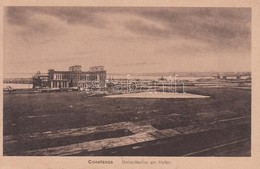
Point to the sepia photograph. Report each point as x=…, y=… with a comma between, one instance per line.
x=127, y=81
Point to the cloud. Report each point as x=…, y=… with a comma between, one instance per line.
x=16, y=15
x=220, y=26
x=70, y=15
x=136, y=64
x=34, y=27
x=146, y=27
x=123, y=38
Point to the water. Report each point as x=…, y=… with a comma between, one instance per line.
x=18, y=86
x=179, y=78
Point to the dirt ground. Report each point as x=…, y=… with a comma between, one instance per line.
x=48, y=112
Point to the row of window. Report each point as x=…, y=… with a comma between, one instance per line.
x=59, y=84
x=57, y=76
x=75, y=76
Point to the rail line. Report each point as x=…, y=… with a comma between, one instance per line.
x=217, y=147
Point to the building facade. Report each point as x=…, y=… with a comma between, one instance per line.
x=71, y=78
x=233, y=76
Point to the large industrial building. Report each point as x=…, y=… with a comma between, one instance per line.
x=70, y=78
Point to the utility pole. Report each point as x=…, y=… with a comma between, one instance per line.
x=127, y=83
x=175, y=83
x=183, y=87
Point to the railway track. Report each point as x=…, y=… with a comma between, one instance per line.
x=215, y=138
x=223, y=149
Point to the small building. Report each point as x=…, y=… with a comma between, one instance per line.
x=246, y=76
x=216, y=76
x=233, y=76
x=230, y=77
x=71, y=78
x=40, y=80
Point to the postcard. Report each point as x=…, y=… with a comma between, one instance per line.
x=130, y=84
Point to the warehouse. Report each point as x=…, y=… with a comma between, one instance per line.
x=70, y=78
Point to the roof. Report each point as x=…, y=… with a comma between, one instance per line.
x=81, y=72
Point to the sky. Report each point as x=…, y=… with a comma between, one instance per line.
x=127, y=39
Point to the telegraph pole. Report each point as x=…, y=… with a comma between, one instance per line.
x=175, y=83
